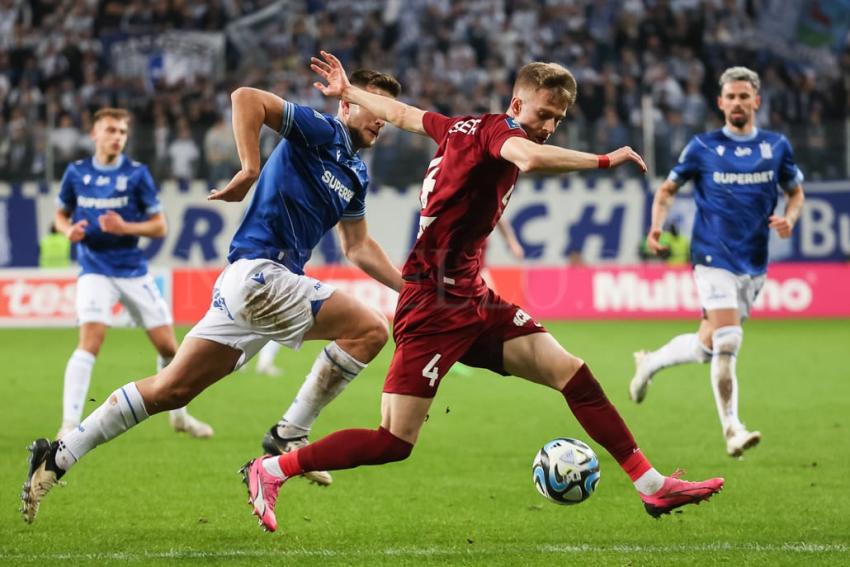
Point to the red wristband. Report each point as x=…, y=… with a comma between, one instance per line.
x=603, y=162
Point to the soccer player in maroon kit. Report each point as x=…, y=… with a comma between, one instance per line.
x=445, y=311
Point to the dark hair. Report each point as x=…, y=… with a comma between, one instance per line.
x=367, y=78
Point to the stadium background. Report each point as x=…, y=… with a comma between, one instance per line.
x=647, y=77
x=647, y=74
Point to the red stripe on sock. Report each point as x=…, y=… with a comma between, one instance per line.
x=600, y=419
x=636, y=465
x=289, y=464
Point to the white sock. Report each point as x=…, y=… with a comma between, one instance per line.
x=122, y=410
x=649, y=482
x=272, y=466
x=179, y=413
x=680, y=350
x=266, y=356
x=332, y=371
x=77, y=380
x=724, y=380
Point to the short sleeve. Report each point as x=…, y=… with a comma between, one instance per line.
x=148, y=193
x=67, y=198
x=688, y=165
x=495, y=132
x=789, y=174
x=437, y=125
x=356, y=208
x=306, y=126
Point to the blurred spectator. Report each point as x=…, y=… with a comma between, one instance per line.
x=64, y=141
x=73, y=56
x=220, y=153
x=184, y=155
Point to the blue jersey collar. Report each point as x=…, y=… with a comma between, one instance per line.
x=346, y=137
x=745, y=138
x=100, y=167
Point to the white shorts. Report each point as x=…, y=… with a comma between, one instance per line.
x=721, y=289
x=97, y=294
x=257, y=301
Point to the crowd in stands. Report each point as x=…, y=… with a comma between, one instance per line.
x=58, y=64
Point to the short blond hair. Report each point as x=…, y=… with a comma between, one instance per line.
x=733, y=74
x=109, y=112
x=551, y=76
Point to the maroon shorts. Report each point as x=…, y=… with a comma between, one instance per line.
x=433, y=330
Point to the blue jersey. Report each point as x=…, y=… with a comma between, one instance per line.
x=89, y=190
x=311, y=181
x=736, y=180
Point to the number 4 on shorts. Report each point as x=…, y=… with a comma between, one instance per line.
x=431, y=371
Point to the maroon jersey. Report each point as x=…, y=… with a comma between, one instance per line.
x=466, y=188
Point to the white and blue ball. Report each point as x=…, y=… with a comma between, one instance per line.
x=566, y=471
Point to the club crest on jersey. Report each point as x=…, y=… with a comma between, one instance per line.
x=721, y=150
x=741, y=151
x=86, y=179
x=121, y=183
x=512, y=123
x=766, y=150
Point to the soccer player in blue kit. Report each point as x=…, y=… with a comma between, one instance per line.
x=314, y=180
x=736, y=171
x=106, y=202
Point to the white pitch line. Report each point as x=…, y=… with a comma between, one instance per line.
x=797, y=547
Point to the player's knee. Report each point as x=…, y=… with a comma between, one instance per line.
x=727, y=340
x=701, y=351
x=393, y=448
x=375, y=334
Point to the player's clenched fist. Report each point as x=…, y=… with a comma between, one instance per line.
x=77, y=231
x=111, y=222
x=782, y=225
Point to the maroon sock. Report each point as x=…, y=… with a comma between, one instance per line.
x=600, y=419
x=346, y=449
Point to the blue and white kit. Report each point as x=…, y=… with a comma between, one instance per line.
x=735, y=190
x=113, y=267
x=312, y=180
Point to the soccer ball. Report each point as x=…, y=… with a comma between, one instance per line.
x=566, y=471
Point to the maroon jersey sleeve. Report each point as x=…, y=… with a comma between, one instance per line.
x=436, y=125
x=496, y=131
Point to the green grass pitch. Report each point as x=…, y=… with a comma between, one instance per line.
x=465, y=497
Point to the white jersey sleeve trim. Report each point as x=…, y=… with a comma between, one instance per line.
x=286, y=122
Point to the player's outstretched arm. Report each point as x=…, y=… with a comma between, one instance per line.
x=365, y=253
x=531, y=156
x=251, y=109
x=784, y=225
x=660, y=207
x=395, y=112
